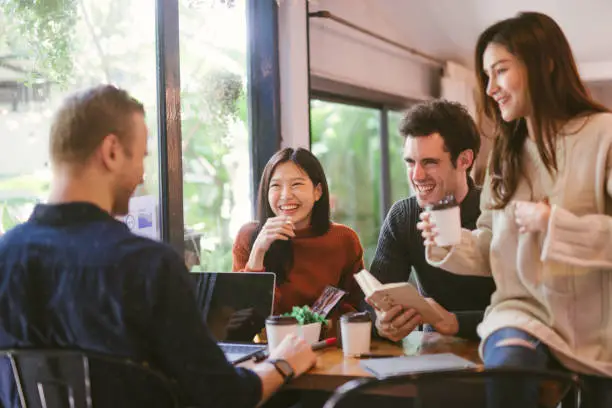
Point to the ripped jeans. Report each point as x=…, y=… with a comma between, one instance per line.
x=512, y=347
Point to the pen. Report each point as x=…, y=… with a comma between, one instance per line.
x=324, y=343
x=263, y=354
x=370, y=355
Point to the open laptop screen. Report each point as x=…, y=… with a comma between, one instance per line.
x=235, y=305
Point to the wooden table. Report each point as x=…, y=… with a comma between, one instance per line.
x=333, y=369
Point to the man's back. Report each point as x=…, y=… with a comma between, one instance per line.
x=74, y=277
x=65, y=282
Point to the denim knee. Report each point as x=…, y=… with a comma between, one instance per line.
x=511, y=347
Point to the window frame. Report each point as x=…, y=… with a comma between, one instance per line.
x=263, y=105
x=384, y=108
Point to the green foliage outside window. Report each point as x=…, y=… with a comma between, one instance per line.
x=66, y=43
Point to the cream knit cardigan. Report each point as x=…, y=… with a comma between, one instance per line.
x=556, y=285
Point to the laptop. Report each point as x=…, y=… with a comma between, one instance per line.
x=235, y=306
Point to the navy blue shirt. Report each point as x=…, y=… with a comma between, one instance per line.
x=74, y=277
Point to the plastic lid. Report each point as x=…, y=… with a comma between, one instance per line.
x=448, y=201
x=356, y=317
x=281, y=320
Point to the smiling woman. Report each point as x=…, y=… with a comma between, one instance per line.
x=293, y=195
x=294, y=236
x=546, y=221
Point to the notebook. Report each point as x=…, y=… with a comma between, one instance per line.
x=235, y=306
x=395, y=366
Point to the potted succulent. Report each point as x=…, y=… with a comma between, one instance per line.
x=310, y=323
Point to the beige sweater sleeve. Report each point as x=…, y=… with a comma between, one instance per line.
x=585, y=240
x=471, y=256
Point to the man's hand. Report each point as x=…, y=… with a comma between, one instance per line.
x=428, y=229
x=296, y=352
x=449, y=325
x=396, y=323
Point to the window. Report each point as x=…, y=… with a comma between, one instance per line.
x=346, y=139
x=215, y=135
x=48, y=50
x=400, y=187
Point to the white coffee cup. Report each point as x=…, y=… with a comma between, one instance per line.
x=278, y=327
x=446, y=216
x=356, y=331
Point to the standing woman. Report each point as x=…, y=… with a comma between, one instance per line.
x=294, y=236
x=545, y=232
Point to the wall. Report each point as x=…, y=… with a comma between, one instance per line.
x=602, y=92
x=293, y=66
x=459, y=85
x=345, y=56
x=342, y=54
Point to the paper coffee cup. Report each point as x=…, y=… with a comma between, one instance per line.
x=446, y=215
x=278, y=327
x=356, y=332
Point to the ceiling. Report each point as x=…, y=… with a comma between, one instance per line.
x=448, y=29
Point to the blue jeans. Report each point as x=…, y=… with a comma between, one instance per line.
x=535, y=355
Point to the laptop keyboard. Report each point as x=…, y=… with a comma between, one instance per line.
x=233, y=351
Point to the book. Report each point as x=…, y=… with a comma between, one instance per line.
x=385, y=296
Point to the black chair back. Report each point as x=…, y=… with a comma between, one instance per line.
x=73, y=379
x=472, y=388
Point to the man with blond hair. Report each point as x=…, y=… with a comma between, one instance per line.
x=73, y=277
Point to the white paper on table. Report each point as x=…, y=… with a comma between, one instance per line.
x=142, y=218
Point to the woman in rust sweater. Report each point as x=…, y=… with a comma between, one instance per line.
x=295, y=238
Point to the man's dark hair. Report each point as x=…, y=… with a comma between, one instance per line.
x=450, y=119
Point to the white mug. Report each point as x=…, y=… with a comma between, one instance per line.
x=446, y=215
x=356, y=331
x=278, y=327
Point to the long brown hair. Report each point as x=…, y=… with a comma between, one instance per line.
x=555, y=90
x=279, y=258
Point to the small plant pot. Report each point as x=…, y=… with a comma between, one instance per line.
x=310, y=332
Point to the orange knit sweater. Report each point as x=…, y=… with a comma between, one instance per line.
x=329, y=259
